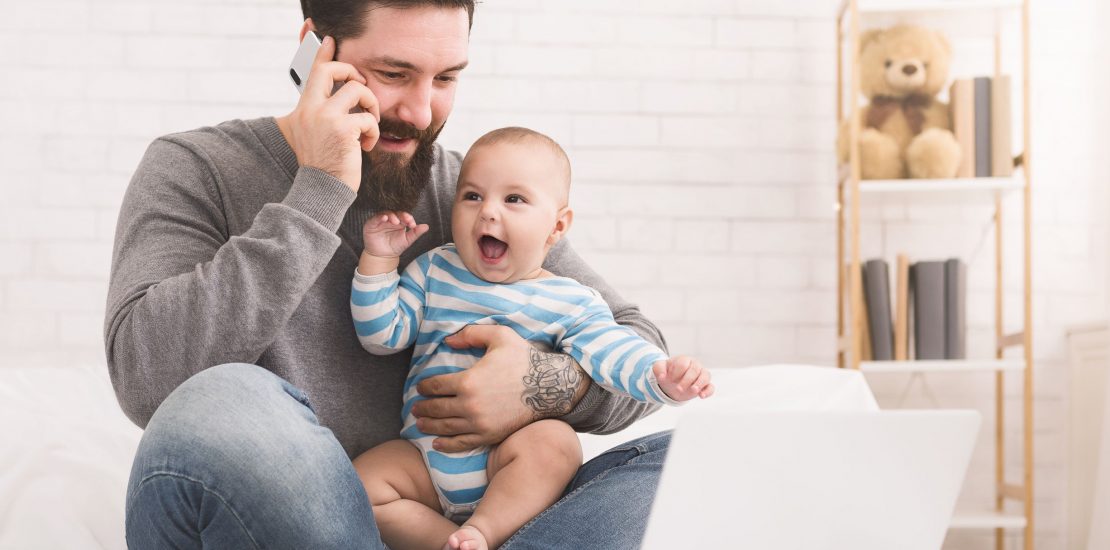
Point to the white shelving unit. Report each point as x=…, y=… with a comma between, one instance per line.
x=851, y=190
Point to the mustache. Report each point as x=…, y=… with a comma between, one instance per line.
x=404, y=130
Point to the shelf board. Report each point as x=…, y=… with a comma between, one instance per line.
x=950, y=365
x=867, y=7
x=969, y=185
x=986, y=519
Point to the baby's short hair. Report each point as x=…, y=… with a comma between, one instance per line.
x=517, y=134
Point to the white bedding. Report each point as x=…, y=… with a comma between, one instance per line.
x=66, y=448
x=65, y=455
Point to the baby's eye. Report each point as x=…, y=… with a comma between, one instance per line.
x=514, y=199
x=471, y=196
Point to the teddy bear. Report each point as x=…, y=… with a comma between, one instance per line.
x=905, y=129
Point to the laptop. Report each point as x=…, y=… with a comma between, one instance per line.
x=812, y=480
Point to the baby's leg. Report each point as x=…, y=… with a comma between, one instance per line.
x=406, y=507
x=527, y=473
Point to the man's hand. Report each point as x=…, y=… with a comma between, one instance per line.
x=513, y=385
x=322, y=129
x=683, y=378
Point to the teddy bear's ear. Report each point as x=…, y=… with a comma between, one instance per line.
x=944, y=43
x=867, y=37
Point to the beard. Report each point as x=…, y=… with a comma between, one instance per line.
x=392, y=181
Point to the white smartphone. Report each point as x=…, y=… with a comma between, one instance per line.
x=302, y=60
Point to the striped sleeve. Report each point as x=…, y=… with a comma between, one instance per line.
x=614, y=356
x=388, y=308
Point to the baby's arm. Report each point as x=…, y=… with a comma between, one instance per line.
x=387, y=308
x=618, y=358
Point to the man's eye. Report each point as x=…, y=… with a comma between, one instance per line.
x=471, y=196
x=515, y=199
x=447, y=78
x=391, y=76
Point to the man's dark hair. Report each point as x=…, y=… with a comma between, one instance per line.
x=342, y=19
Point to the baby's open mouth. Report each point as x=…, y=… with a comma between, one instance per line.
x=491, y=247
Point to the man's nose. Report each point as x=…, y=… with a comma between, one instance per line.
x=415, y=107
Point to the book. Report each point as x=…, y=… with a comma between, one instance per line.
x=961, y=104
x=865, y=324
x=1002, y=154
x=955, y=309
x=982, y=109
x=927, y=286
x=876, y=294
x=902, y=310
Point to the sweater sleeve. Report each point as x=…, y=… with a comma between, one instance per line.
x=184, y=294
x=388, y=309
x=602, y=411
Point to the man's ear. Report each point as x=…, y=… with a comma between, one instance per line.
x=563, y=222
x=308, y=25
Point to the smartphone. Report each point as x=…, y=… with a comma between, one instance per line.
x=302, y=60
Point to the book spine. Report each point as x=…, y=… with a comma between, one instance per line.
x=901, y=310
x=927, y=282
x=1002, y=155
x=955, y=309
x=877, y=294
x=982, y=126
x=961, y=98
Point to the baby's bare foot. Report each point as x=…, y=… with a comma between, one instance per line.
x=468, y=537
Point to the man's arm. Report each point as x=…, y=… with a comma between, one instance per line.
x=601, y=411
x=186, y=295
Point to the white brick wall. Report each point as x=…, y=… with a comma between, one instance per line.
x=701, y=135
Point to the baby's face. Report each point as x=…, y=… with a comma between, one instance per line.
x=510, y=208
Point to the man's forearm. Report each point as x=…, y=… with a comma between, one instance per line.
x=555, y=383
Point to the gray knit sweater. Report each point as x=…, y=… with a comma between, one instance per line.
x=227, y=251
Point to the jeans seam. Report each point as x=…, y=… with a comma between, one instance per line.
x=207, y=490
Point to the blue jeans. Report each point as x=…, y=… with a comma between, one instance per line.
x=235, y=458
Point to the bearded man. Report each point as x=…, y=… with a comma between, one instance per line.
x=228, y=330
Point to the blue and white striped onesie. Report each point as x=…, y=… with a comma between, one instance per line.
x=436, y=297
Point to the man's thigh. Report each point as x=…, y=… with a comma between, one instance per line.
x=235, y=458
x=606, y=504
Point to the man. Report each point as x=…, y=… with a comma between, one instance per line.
x=228, y=329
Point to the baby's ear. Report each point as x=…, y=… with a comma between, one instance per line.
x=563, y=221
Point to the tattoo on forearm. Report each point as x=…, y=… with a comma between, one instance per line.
x=551, y=384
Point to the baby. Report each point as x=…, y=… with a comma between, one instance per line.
x=510, y=209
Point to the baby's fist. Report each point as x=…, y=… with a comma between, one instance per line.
x=683, y=378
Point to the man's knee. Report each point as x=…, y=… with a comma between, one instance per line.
x=242, y=432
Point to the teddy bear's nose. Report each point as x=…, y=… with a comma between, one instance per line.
x=908, y=70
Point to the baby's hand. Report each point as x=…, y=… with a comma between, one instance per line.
x=683, y=378
x=388, y=234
